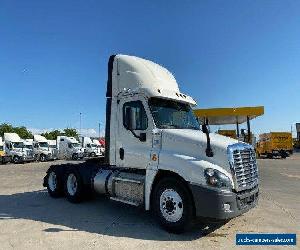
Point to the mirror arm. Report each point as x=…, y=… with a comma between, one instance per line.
x=134, y=134
x=208, y=151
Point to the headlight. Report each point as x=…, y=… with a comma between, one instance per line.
x=217, y=179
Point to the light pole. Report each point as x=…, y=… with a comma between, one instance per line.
x=80, y=123
x=99, y=130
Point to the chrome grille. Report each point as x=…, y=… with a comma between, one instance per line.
x=243, y=166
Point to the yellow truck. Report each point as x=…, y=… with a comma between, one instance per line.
x=275, y=144
x=3, y=157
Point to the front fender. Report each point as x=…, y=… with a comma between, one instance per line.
x=191, y=169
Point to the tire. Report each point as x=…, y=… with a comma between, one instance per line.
x=54, y=184
x=42, y=158
x=93, y=154
x=73, y=187
x=269, y=156
x=174, y=218
x=75, y=157
x=16, y=159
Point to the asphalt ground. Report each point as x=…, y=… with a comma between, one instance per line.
x=30, y=219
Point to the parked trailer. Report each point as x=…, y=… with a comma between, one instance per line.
x=156, y=156
x=275, y=144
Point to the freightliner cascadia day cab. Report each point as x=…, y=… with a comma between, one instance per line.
x=157, y=157
x=41, y=149
x=69, y=148
x=14, y=147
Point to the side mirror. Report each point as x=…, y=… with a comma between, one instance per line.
x=143, y=137
x=130, y=119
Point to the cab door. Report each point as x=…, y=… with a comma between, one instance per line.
x=133, y=146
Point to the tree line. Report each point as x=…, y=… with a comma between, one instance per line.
x=24, y=133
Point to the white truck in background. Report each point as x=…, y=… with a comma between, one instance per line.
x=100, y=147
x=156, y=155
x=69, y=148
x=41, y=149
x=53, y=148
x=90, y=148
x=15, y=148
x=4, y=158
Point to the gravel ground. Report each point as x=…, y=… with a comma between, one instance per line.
x=30, y=219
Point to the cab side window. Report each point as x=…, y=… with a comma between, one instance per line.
x=141, y=120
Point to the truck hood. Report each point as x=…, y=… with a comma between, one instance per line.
x=192, y=143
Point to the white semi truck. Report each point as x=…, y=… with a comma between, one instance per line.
x=41, y=149
x=156, y=155
x=90, y=148
x=14, y=147
x=4, y=158
x=69, y=148
x=100, y=147
x=53, y=147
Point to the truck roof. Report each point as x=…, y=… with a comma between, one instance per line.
x=13, y=137
x=39, y=138
x=139, y=75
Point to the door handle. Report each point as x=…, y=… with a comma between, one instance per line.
x=121, y=152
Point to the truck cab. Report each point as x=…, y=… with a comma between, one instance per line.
x=69, y=148
x=53, y=147
x=156, y=155
x=100, y=147
x=41, y=148
x=4, y=158
x=16, y=149
x=90, y=148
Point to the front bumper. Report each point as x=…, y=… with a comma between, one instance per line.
x=214, y=204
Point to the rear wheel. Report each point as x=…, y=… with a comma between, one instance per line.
x=93, y=154
x=54, y=184
x=73, y=187
x=173, y=205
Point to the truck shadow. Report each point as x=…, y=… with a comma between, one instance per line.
x=99, y=216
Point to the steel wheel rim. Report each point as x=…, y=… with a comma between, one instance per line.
x=52, y=182
x=171, y=205
x=72, y=184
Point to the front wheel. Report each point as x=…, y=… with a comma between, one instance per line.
x=75, y=157
x=42, y=158
x=16, y=159
x=173, y=205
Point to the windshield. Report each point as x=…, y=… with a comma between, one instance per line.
x=43, y=144
x=18, y=144
x=93, y=145
x=75, y=145
x=172, y=114
x=52, y=146
x=28, y=146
